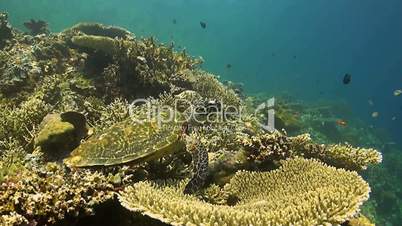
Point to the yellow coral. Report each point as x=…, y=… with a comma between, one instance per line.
x=300, y=192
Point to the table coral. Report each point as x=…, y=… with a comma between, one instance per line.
x=300, y=192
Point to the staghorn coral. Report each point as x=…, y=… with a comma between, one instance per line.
x=269, y=147
x=300, y=192
x=46, y=194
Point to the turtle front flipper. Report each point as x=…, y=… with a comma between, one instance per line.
x=200, y=164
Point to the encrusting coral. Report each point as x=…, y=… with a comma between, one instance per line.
x=300, y=192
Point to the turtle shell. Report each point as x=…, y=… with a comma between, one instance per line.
x=130, y=141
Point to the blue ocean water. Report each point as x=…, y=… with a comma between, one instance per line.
x=293, y=47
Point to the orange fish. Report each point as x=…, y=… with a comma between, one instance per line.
x=341, y=122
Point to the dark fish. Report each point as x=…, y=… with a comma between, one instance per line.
x=228, y=66
x=203, y=24
x=273, y=54
x=174, y=21
x=294, y=57
x=347, y=78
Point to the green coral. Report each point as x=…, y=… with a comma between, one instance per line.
x=300, y=192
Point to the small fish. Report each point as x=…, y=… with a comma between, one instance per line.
x=370, y=102
x=375, y=114
x=341, y=122
x=393, y=118
x=203, y=24
x=397, y=92
x=294, y=57
x=174, y=21
x=228, y=66
x=347, y=78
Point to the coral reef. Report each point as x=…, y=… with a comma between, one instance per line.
x=300, y=192
x=78, y=84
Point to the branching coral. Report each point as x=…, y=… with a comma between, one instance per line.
x=300, y=192
x=276, y=146
x=46, y=194
x=208, y=86
x=345, y=156
x=20, y=121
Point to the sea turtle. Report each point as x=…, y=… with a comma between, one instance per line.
x=140, y=139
